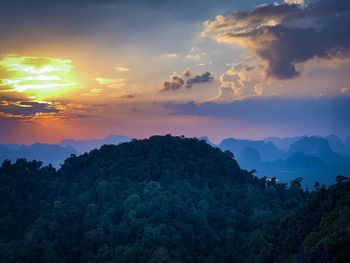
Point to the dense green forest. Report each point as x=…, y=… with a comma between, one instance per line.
x=166, y=199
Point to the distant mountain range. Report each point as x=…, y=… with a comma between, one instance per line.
x=314, y=158
x=55, y=154
x=47, y=153
x=267, y=150
x=283, y=143
x=83, y=146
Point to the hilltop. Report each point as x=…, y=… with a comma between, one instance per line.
x=163, y=199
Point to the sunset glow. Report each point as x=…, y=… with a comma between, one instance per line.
x=151, y=131
x=224, y=68
x=38, y=77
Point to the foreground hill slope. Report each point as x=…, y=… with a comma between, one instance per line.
x=164, y=199
x=320, y=230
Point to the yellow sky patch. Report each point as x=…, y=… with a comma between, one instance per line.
x=123, y=69
x=112, y=82
x=37, y=77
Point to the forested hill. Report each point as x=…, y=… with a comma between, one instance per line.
x=161, y=158
x=165, y=199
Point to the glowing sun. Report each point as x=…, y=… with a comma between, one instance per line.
x=39, y=78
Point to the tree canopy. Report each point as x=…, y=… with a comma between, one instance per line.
x=166, y=199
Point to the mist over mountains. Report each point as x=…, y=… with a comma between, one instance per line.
x=314, y=158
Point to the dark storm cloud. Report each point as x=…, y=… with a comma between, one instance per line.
x=177, y=82
x=286, y=34
x=204, y=78
x=321, y=113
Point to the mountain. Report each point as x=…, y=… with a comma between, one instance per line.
x=83, y=146
x=55, y=154
x=316, y=146
x=165, y=199
x=310, y=168
x=337, y=145
x=11, y=146
x=309, y=157
x=249, y=158
x=347, y=143
x=47, y=153
x=314, y=158
x=283, y=143
x=300, y=161
x=326, y=162
x=267, y=150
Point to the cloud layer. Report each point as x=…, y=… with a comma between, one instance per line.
x=285, y=34
x=301, y=115
x=25, y=108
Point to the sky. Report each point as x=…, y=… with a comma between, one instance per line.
x=226, y=68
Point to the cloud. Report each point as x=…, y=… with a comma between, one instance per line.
x=130, y=96
x=26, y=108
x=345, y=91
x=123, y=69
x=285, y=34
x=294, y=2
x=93, y=92
x=113, y=83
x=195, y=54
x=176, y=82
x=170, y=55
x=35, y=65
x=187, y=73
x=204, y=78
x=241, y=81
x=40, y=77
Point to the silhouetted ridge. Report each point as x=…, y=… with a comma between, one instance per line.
x=156, y=157
x=83, y=146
